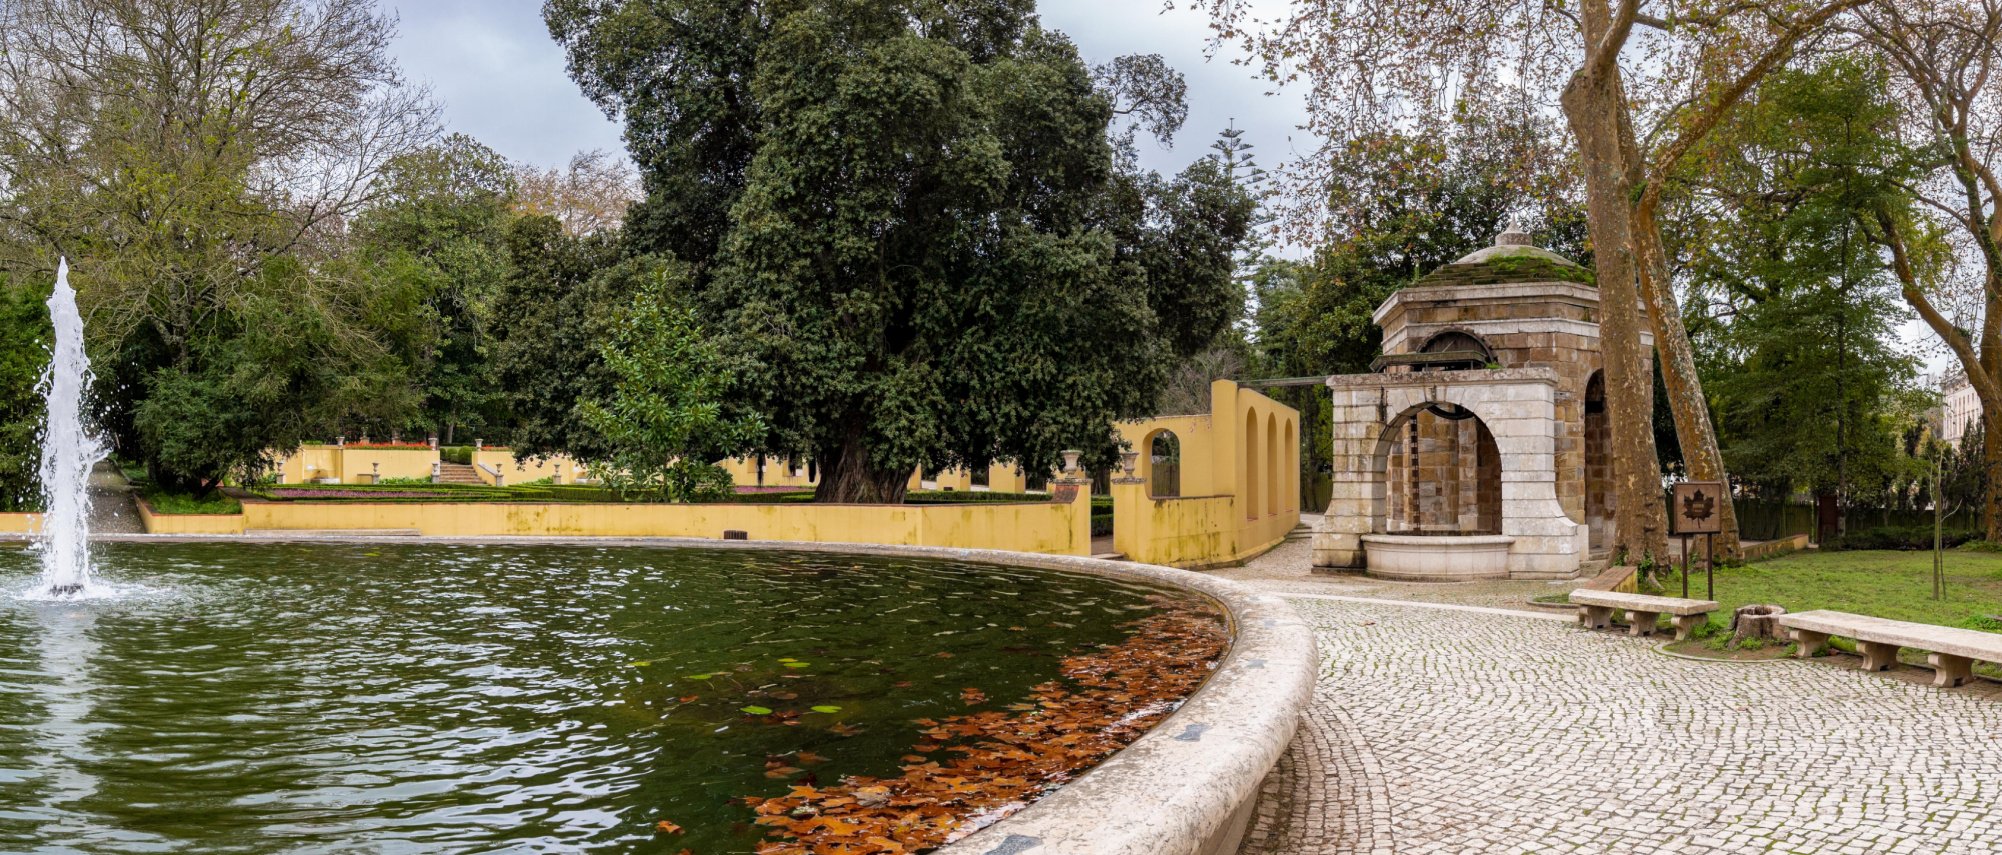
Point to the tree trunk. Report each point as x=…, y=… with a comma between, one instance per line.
x=1592, y=105
x=847, y=477
x=1678, y=373
x=1991, y=465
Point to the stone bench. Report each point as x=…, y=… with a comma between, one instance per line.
x=1595, y=611
x=1951, y=651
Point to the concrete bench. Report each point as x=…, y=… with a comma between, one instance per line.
x=1951, y=651
x=1595, y=611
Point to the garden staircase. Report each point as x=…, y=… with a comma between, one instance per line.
x=458, y=473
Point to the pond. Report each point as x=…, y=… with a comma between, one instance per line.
x=413, y=698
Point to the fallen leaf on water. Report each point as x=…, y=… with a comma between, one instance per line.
x=665, y=827
x=985, y=765
x=754, y=709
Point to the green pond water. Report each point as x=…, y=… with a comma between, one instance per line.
x=290, y=698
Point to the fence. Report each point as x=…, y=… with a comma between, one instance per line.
x=1761, y=520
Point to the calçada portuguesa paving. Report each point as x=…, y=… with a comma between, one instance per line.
x=1470, y=729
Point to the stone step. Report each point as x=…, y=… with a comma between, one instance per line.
x=458, y=473
x=1110, y=556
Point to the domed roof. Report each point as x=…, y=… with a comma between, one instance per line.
x=1512, y=259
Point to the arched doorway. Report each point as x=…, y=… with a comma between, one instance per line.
x=1598, y=431
x=1272, y=476
x=1253, y=486
x=1292, y=490
x=1164, y=465
x=1441, y=473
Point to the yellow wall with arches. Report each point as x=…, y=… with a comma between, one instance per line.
x=1239, y=490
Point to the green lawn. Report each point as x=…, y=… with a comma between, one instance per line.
x=1893, y=585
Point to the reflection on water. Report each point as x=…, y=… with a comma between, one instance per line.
x=284, y=698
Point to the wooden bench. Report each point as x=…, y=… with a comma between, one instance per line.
x=1595, y=611
x=1951, y=651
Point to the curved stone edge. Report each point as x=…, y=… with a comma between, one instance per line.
x=1189, y=785
x=1186, y=787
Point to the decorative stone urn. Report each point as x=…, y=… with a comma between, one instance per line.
x=1437, y=558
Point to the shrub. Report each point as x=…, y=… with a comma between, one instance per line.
x=459, y=454
x=1900, y=537
x=182, y=503
x=1101, y=525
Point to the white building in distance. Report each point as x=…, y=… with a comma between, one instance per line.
x=1959, y=407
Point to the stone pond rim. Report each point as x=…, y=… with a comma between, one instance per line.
x=1186, y=787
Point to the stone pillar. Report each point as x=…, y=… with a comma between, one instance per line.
x=1073, y=487
x=1131, y=512
x=1358, y=488
x=1523, y=419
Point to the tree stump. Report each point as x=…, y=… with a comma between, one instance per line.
x=1757, y=621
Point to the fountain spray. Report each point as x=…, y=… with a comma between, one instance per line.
x=69, y=449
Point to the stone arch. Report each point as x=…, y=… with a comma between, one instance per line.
x=1292, y=490
x=1251, y=460
x=1459, y=339
x=1519, y=407
x=1272, y=478
x=1440, y=470
x=1161, y=464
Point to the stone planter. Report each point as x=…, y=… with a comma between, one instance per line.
x=1437, y=558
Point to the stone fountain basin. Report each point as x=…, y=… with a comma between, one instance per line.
x=1437, y=557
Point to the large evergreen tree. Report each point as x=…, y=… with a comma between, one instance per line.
x=904, y=221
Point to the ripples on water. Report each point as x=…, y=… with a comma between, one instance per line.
x=286, y=698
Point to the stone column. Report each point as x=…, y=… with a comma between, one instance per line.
x=1358, y=487
x=1131, y=507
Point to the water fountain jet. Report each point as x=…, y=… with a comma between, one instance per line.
x=69, y=449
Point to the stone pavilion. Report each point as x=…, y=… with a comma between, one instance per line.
x=1478, y=446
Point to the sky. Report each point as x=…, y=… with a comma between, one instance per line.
x=501, y=79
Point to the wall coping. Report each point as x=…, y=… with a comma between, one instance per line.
x=1444, y=541
x=1186, y=787
x=1475, y=377
x=1583, y=295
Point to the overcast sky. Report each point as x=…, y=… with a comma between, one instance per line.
x=501, y=79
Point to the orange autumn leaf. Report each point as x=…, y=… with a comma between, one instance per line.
x=995, y=762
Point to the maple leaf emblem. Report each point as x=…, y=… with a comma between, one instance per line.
x=1698, y=506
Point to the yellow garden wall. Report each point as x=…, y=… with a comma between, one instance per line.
x=1239, y=490
x=1002, y=477
x=188, y=523
x=354, y=464
x=20, y=523
x=744, y=473
x=1059, y=528
x=558, y=468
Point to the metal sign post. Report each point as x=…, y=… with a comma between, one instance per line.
x=1692, y=509
x=1685, y=566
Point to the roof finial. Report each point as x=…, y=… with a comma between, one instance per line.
x=1512, y=233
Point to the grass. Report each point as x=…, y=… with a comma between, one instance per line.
x=182, y=503
x=1895, y=585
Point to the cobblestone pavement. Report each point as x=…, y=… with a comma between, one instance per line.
x=1457, y=730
